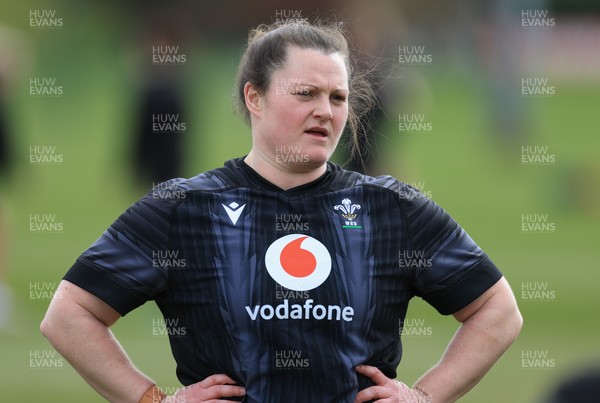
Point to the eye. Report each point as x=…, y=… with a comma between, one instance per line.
x=339, y=97
x=303, y=93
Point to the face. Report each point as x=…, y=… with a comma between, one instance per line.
x=298, y=121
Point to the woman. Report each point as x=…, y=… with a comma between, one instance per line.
x=283, y=254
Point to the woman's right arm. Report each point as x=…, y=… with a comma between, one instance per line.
x=77, y=325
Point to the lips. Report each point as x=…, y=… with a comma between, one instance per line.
x=318, y=131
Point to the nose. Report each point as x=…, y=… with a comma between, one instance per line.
x=322, y=109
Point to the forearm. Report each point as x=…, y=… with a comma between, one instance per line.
x=90, y=347
x=466, y=360
x=474, y=349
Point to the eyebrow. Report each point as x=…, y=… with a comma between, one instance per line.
x=318, y=88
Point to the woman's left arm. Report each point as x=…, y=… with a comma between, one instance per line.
x=489, y=325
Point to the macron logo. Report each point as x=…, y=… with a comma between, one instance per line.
x=234, y=211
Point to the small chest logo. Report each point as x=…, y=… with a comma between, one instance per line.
x=233, y=210
x=349, y=213
x=298, y=262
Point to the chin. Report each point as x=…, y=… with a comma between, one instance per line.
x=305, y=163
x=318, y=160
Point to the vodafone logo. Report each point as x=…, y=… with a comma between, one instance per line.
x=298, y=262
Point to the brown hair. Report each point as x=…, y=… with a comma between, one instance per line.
x=266, y=52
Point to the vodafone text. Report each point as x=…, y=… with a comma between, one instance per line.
x=304, y=311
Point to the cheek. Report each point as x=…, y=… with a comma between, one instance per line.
x=292, y=114
x=284, y=122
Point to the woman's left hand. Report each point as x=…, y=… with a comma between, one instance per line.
x=387, y=390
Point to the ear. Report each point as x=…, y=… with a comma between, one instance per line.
x=253, y=99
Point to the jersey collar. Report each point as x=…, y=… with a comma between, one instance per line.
x=245, y=175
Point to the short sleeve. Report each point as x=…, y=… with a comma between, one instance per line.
x=124, y=267
x=454, y=270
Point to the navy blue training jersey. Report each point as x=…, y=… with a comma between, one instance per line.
x=285, y=291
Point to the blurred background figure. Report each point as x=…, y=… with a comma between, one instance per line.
x=580, y=387
x=160, y=119
x=376, y=29
x=500, y=35
x=13, y=58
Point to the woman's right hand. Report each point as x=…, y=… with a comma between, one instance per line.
x=210, y=389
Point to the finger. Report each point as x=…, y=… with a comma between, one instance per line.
x=217, y=379
x=370, y=393
x=213, y=401
x=214, y=392
x=218, y=391
x=374, y=373
x=216, y=401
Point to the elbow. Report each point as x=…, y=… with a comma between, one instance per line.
x=46, y=327
x=519, y=322
x=49, y=327
x=513, y=323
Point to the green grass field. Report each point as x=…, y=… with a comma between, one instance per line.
x=482, y=184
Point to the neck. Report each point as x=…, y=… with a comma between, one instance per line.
x=279, y=175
